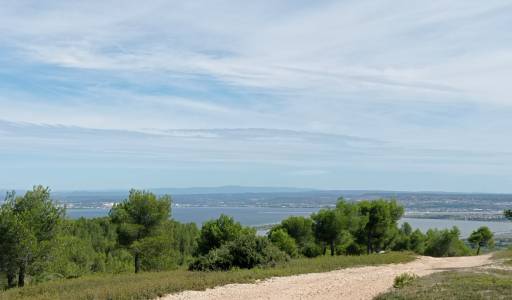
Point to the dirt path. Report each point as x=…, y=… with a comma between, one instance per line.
x=352, y=283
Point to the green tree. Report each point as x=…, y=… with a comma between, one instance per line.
x=29, y=223
x=284, y=242
x=216, y=232
x=299, y=228
x=508, y=214
x=417, y=242
x=380, y=223
x=9, y=239
x=403, y=238
x=447, y=242
x=327, y=228
x=482, y=237
x=137, y=218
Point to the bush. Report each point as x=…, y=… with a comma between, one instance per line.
x=156, y=253
x=442, y=243
x=311, y=249
x=355, y=249
x=284, y=242
x=246, y=252
x=119, y=261
x=404, y=279
x=216, y=260
x=215, y=233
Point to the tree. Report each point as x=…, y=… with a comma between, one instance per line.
x=482, y=237
x=508, y=214
x=442, y=243
x=284, y=242
x=403, y=238
x=327, y=227
x=216, y=232
x=380, y=219
x=137, y=218
x=299, y=228
x=8, y=245
x=417, y=242
x=29, y=224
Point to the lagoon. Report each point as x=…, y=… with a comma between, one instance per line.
x=257, y=216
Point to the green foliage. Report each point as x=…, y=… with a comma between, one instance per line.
x=417, y=242
x=215, y=233
x=283, y=241
x=150, y=285
x=311, y=249
x=137, y=218
x=235, y=246
x=299, y=228
x=71, y=257
x=381, y=217
x=404, y=280
x=482, y=237
x=28, y=225
x=327, y=227
x=138, y=236
x=406, y=239
x=445, y=242
x=156, y=253
x=508, y=214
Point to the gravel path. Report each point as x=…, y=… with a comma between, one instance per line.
x=351, y=283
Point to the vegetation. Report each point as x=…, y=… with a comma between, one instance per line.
x=27, y=225
x=508, y=214
x=491, y=284
x=482, y=237
x=149, y=285
x=38, y=243
x=137, y=218
x=363, y=227
x=445, y=242
x=475, y=283
x=404, y=279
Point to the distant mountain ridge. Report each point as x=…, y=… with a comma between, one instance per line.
x=122, y=193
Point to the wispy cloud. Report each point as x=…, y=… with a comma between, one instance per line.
x=286, y=87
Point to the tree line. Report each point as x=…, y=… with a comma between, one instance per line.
x=38, y=241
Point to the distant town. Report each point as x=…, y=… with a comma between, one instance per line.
x=432, y=205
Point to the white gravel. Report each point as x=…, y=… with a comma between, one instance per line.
x=351, y=283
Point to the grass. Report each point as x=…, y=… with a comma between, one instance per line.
x=505, y=256
x=153, y=284
x=492, y=284
x=404, y=280
x=470, y=284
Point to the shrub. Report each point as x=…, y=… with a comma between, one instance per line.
x=355, y=249
x=215, y=233
x=441, y=243
x=284, y=242
x=299, y=228
x=216, y=260
x=404, y=279
x=246, y=252
x=311, y=249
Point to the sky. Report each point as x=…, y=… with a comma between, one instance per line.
x=390, y=95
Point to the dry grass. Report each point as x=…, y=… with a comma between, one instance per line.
x=152, y=284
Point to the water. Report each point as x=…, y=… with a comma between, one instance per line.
x=465, y=227
x=250, y=216
x=254, y=216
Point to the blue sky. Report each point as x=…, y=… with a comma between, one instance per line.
x=397, y=95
